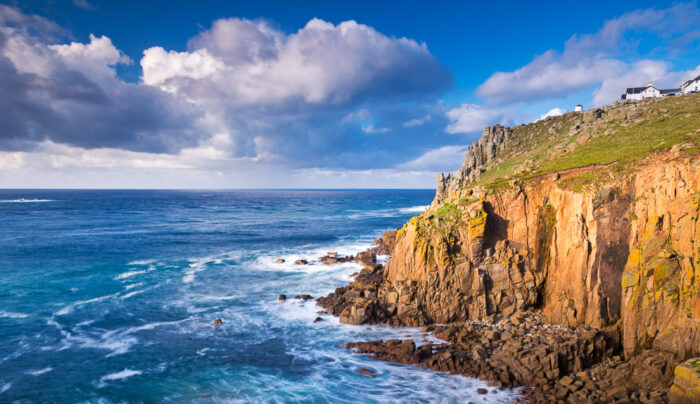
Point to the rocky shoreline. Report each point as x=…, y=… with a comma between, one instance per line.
x=541, y=361
x=560, y=267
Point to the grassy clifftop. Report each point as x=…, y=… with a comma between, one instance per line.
x=618, y=136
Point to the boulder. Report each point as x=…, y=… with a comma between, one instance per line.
x=686, y=383
x=366, y=257
x=282, y=298
x=280, y=261
x=301, y=262
x=218, y=321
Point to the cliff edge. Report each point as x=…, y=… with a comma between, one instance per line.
x=589, y=219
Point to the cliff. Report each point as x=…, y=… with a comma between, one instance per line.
x=590, y=218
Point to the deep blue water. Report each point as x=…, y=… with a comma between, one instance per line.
x=109, y=296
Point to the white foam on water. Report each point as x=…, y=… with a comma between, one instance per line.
x=198, y=265
x=129, y=274
x=124, y=374
x=4, y=387
x=39, y=371
x=22, y=200
x=134, y=293
x=390, y=212
x=133, y=285
x=266, y=262
x=7, y=314
x=70, y=307
x=414, y=209
x=142, y=262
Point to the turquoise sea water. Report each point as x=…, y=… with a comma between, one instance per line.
x=109, y=296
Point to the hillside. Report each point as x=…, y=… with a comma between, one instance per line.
x=617, y=136
x=589, y=220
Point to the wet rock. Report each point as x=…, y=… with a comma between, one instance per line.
x=481, y=390
x=367, y=372
x=304, y=297
x=282, y=298
x=318, y=319
x=301, y=262
x=366, y=257
x=280, y=261
x=218, y=321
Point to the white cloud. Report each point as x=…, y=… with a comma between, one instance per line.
x=372, y=129
x=553, y=112
x=361, y=115
x=250, y=63
x=469, y=118
x=638, y=74
x=443, y=159
x=95, y=59
x=594, y=59
x=416, y=122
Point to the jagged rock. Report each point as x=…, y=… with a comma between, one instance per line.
x=385, y=244
x=282, y=298
x=366, y=257
x=301, y=262
x=618, y=260
x=218, y=321
x=686, y=384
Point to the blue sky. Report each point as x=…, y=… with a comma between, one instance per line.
x=319, y=94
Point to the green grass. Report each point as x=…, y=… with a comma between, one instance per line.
x=659, y=124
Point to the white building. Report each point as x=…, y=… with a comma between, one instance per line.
x=640, y=93
x=690, y=86
x=578, y=108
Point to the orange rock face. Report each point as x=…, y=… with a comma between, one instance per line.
x=625, y=255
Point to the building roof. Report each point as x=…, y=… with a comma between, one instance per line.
x=637, y=90
x=671, y=90
x=690, y=81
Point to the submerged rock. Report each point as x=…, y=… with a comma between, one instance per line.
x=365, y=371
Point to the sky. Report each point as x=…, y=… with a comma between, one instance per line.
x=306, y=94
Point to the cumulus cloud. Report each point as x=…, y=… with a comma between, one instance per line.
x=470, y=118
x=553, y=112
x=69, y=93
x=243, y=98
x=595, y=59
x=252, y=63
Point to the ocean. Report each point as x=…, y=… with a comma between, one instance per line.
x=109, y=296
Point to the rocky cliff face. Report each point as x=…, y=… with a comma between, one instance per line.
x=623, y=255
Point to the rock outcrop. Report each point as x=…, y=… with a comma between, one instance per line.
x=575, y=365
x=626, y=256
x=620, y=255
x=686, y=384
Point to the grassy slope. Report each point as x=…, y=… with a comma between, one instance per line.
x=637, y=131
